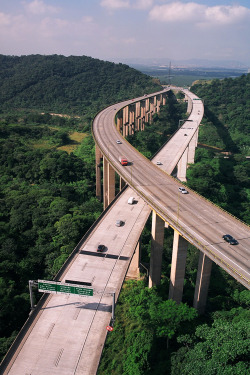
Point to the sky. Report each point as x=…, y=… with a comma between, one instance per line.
x=118, y=30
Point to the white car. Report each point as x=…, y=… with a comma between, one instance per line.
x=119, y=223
x=119, y=142
x=183, y=190
x=131, y=200
x=158, y=163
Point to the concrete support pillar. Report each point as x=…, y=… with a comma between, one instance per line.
x=125, y=115
x=157, y=238
x=196, y=136
x=182, y=166
x=98, y=157
x=202, y=283
x=191, y=150
x=122, y=183
x=119, y=122
x=190, y=103
x=134, y=267
x=178, y=265
x=131, y=120
x=164, y=99
x=159, y=101
x=108, y=183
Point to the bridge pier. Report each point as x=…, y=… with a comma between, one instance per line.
x=178, y=265
x=98, y=157
x=191, y=149
x=182, y=166
x=108, y=183
x=157, y=238
x=190, y=103
x=202, y=283
x=134, y=267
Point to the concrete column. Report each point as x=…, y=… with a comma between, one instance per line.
x=159, y=101
x=191, y=150
x=190, y=103
x=98, y=157
x=125, y=115
x=196, y=136
x=132, y=120
x=178, y=265
x=202, y=283
x=157, y=238
x=108, y=183
x=164, y=99
x=119, y=122
x=122, y=183
x=182, y=166
x=134, y=267
x=105, y=183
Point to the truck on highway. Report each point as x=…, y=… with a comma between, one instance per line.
x=123, y=160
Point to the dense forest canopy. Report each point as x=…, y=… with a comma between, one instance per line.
x=78, y=85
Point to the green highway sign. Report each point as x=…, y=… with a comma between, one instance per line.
x=61, y=288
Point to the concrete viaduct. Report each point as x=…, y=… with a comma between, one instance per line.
x=132, y=116
x=65, y=333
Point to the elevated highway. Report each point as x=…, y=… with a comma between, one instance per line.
x=196, y=219
x=65, y=334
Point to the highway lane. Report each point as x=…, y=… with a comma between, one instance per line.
x=69, y=335
x=199, y=221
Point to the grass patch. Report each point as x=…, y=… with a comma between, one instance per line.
x=76, y=138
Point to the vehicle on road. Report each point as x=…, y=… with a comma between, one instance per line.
x=158, y=163
x=230, y=239
x=119, y=142
x=119, y=223
x=123, y=160
x=183, y=190
x=131, y=200
x=100, y=248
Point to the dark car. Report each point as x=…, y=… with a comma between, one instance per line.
x=230, y=239
x=101, y=248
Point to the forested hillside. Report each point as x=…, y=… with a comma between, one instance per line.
x=77, y=85
x=221, y=172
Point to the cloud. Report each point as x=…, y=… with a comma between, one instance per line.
x=117, y=4
x=199, y=14
x=5, y=19
x=39, y=7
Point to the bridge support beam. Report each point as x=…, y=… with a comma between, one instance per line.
x=182, y=166
x=157, y=238
x=178, y=266
x=98, y=157
x=108, y=183
x=202, y=283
